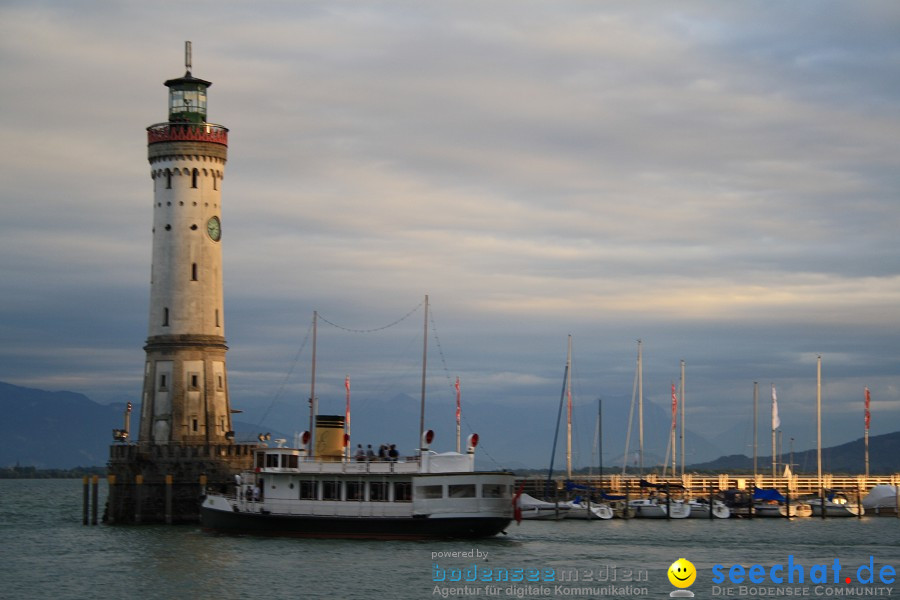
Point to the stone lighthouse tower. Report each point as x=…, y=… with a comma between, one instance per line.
x=185, y=394
x=186, y=441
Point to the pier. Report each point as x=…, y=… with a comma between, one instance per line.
x=697, y=485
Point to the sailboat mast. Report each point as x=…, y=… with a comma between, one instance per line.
x=682, y=419
x=424, y=366
x=569, y=409
x=819, y=424
x=313, y=407
x=640, y=410
x=755, y=438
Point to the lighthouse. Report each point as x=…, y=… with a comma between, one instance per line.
x=185, y=391
x=185, y=443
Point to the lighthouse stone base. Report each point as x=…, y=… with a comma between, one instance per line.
x=151, y=483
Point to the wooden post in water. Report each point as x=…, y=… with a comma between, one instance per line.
x=628, y=499
x=668, y=502
x=85, y=500
x=111, y=498
x=95, y=484
x=168, y=499
x=138, y=497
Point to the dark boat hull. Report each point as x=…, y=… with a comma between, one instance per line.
x=351, y=527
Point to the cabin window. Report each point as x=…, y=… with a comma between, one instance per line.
x=494, y=490
x=462, y=491
x=355, y=490
x=308, y=490
x=378, y=491
x=290, y=461
x=260, y=460
x=429, y=491
x=331, y=490
x=403, y=492
x=272, y=461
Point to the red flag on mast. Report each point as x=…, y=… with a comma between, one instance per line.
x=674, y=406
x=347, y=410
x=458, y=411
x=868, y=415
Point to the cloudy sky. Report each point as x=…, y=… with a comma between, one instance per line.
x=717, y=179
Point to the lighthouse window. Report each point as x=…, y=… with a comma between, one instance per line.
x=194, y=176
x=194, y=272
x=215, y=187
x=195, y=381
x=194, y=424
x=217, y=317
x=168, y=179
x=165, y=317
x=162, y=382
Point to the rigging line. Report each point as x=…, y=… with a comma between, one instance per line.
x=440, y=348
x=382, y=328
x=287, y=377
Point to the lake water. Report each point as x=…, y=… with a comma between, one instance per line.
x=45, y=552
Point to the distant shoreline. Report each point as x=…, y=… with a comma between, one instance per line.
x=19, y=472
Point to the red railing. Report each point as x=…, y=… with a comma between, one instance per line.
x=187, y=132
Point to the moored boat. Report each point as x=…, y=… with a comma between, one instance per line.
x=654, y=508
x=835, y=505
x=532, y=509
x=700, y=509
x=429, y=496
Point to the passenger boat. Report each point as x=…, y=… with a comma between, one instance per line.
x=429, y=496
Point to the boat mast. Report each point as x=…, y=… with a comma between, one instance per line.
x=569, y=409
x=640, y=410
x=755, y=439
x=424, y=366
x=775, y=423
x=867, y=418
x=682, y=419
x=313, y=407
x=819, y=424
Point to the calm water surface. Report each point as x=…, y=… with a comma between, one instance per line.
x=47, y=553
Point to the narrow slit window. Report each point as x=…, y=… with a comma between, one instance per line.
x=165, y=317
x=168, y=179
x=195, y=175
x=194, y=272
x=194, y=425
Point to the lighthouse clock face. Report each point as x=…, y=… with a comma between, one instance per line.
x=214, y=229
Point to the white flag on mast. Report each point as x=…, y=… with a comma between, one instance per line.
x=776, y=422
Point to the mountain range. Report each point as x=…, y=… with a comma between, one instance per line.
x=66, y=429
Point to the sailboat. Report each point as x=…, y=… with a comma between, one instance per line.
x=577, y=508
x=652, y=507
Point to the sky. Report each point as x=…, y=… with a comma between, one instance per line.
x=718, y=180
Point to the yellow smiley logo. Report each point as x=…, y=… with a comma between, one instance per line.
x=682, y=573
